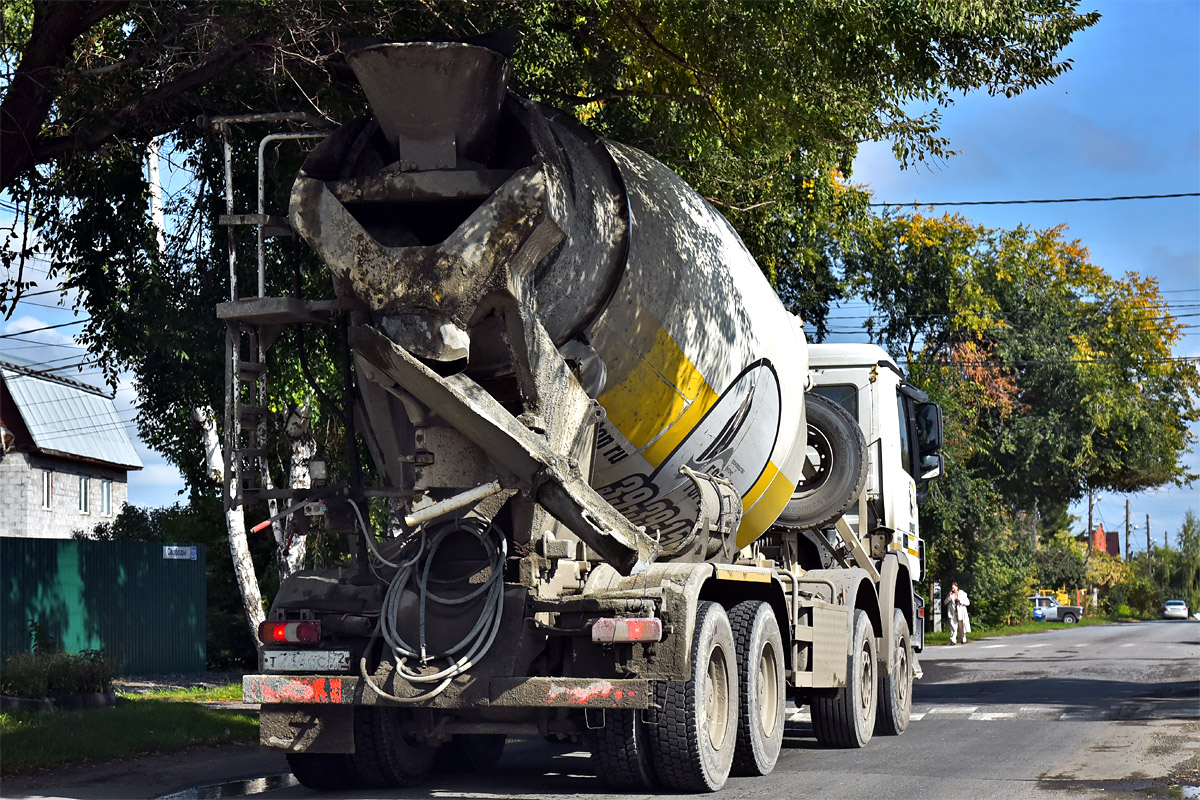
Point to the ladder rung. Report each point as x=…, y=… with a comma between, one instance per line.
x=253, y=411
x=251, y=452
x=251, y=366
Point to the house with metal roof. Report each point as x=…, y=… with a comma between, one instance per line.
x=64, y=454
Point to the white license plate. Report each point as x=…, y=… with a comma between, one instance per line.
x=306, y=660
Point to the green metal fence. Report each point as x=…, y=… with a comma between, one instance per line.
x=142, y=603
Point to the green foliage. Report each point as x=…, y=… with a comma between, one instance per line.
x=1059, y=564
x=48, y=673
x=1000, y=578
x=1053, y=376
x=1176, y=571
x=1138, y=593
x=40, y=639
x=24, y=675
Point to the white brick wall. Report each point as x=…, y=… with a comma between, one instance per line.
x=21, y=512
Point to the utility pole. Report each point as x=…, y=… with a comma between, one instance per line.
x=1037, y=522
x=1091, y=530
x=1126, y=528
x=1149, y=566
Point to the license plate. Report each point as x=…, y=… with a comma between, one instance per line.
x=306, y=660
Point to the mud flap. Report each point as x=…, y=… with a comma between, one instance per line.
x=307, y=729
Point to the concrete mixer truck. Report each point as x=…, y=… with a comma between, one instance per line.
x=613, y=495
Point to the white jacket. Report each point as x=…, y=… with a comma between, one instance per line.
x=963, y=617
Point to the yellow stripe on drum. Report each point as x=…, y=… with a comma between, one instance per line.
x=764, y=503
x=660, y=401
x=742, y=574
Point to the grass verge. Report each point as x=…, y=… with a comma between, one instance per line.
x=200, y=694
x=943, y=637
x=135, y=726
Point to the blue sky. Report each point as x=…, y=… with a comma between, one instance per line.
x=1125, y=120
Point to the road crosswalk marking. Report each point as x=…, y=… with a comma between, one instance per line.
x=1003, y=712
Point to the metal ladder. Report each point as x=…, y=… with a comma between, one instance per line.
x=251, y=326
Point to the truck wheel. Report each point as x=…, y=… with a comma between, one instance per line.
x=474, y=753
x=323, y=772
x=847, y=717
x=693, y=743
x=621, y=753
x=895, y=690
x=1069, y=618
x=841, y=469
x=761, y=696
x=384, y=756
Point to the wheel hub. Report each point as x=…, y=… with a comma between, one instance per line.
x=716, y=699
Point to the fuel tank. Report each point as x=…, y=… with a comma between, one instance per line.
x=636, y=279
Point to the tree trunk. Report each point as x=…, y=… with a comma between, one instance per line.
x=303, y=449
x=235, y=524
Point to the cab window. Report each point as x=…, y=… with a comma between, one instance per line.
x=905, y=437
x=844, y=394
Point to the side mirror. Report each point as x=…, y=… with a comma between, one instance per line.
x=933, y=466
x=929, y=429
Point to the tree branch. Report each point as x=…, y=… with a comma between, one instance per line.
x=30, y=96
x=132, y=116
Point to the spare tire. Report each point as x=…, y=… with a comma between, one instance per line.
x=836, y=471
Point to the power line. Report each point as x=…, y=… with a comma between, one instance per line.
x=44, y=328
x=23, y=295
x=915, y=203
x=34, y=345
x=1055, y=362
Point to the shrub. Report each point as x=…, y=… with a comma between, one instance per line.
x=95, y=671
x=62, y=674
x=23, y=675
x=53, y=674
x=41, y=639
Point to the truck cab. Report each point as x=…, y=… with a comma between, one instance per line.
x=903, y=433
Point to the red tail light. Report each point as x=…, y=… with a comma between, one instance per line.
x=304, y=632
x=612, y=630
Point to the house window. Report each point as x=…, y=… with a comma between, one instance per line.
x=47, y=489
x=84, y=485
x=106, y=498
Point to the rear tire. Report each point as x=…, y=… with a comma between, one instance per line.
x=895, y=690
x=692, y=745
x=621, y=752
x=384, y=756
x=847, y=717
x=762, y=698
x=322, y=772
x=840, y=449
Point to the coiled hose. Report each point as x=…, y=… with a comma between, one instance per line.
x=415, y=572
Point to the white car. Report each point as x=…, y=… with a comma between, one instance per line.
x=1174, y=609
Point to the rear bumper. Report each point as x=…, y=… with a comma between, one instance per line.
x=538, y=692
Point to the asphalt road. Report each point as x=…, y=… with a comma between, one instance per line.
x=1091, y=712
